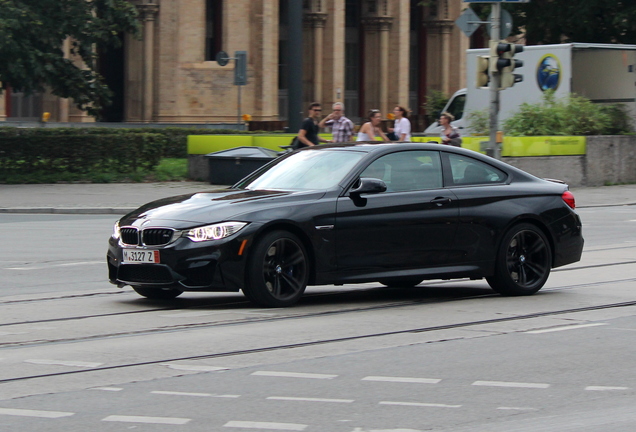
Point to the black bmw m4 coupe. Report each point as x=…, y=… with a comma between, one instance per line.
x=396, y=214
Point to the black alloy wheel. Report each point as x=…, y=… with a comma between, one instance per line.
x=278, y=270
x=523, y=262
x=158, y=293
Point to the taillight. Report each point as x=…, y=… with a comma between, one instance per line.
x=568, y=198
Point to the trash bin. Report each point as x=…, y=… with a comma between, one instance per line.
x=229, y=166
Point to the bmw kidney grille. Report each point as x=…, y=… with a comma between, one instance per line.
x=146, y=237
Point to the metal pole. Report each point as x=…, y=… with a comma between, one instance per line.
x=495, y=81
x=238, y=112
x=295, y=65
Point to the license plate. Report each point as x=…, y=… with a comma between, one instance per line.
x=136, y=256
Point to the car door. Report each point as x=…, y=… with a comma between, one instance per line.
x=485, y=205
x=410, y=225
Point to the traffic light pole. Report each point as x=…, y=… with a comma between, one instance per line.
x=495, y=82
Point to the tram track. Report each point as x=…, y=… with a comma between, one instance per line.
x=317, y=342
x=256, y=320
x=291, y=315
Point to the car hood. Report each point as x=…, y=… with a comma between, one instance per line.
x=212, y=206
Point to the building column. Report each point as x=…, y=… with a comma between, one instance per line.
x=3, y=102
x=63, y=113
x=334, y=58
x=381, y=25
x=445, y=30
x=148, y=14
x=318, y=21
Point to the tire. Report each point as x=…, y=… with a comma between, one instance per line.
x=402, y=283
x=277, y=270
x=523, y=262
x=158, y=293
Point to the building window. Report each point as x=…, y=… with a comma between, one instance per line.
x=213, y=28
x=21, y=106
x=372, y=6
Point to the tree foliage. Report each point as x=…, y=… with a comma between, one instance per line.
x=592, y=21
x=564, y=21
x=572, y=115
x=32, y=35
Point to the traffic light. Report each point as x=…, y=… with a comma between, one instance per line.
x=505, y=63
x=482, y=77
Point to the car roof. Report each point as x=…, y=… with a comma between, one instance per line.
x=379, y=147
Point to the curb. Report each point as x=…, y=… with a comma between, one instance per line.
x=68, y=210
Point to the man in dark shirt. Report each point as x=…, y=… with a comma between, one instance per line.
x=308, y=133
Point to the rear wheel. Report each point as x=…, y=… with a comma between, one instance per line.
x=523, y=261
x=158, y=293
x=278, y=270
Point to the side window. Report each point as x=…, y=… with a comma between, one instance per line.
x=456, y=108
x=469, y=171
x=407, y=170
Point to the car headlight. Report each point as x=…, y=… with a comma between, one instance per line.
x=116, y=231
x=214, y=232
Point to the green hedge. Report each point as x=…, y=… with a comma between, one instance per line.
x=80, y=153
x=175, y=137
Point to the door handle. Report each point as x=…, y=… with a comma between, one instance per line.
x=440, y=201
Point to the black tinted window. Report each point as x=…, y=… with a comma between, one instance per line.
x=469, y=171
x=407, y=170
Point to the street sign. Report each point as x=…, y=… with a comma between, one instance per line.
x=468, y=22
x=505, y=24
x=222, y=58
x=240, y=68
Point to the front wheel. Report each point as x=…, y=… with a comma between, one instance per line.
x=523, y=261
x=277, y=270
x=157, y=293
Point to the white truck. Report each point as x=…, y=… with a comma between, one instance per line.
x=603, y=73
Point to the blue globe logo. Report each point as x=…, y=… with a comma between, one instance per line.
x=549, y=72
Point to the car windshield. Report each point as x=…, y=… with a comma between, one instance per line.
x=307, y=170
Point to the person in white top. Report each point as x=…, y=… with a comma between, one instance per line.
x=370, y=129
x=402, y=125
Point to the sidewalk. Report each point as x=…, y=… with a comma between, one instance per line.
x=120, y=198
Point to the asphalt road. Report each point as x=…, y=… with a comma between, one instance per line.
x=77, y=353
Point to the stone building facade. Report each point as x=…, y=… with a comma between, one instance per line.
x=365, y=53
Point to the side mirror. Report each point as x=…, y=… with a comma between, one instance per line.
x=368, y=185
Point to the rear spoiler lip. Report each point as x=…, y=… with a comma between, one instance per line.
x=555, y=180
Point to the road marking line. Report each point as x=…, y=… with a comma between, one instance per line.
x=113, y=389
x=189, y=314
x=174, y=393
x=294, y=375
x=571, y=327
x=402, y=379
x=420, y=404
x=604, y=388
x=288, y=398
x=517, y=408
x=197, y=368
x=143, y=419
x=34, y=413
x=73, y=264
x=64, y=363
x=265, y=425
x=510, y=384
